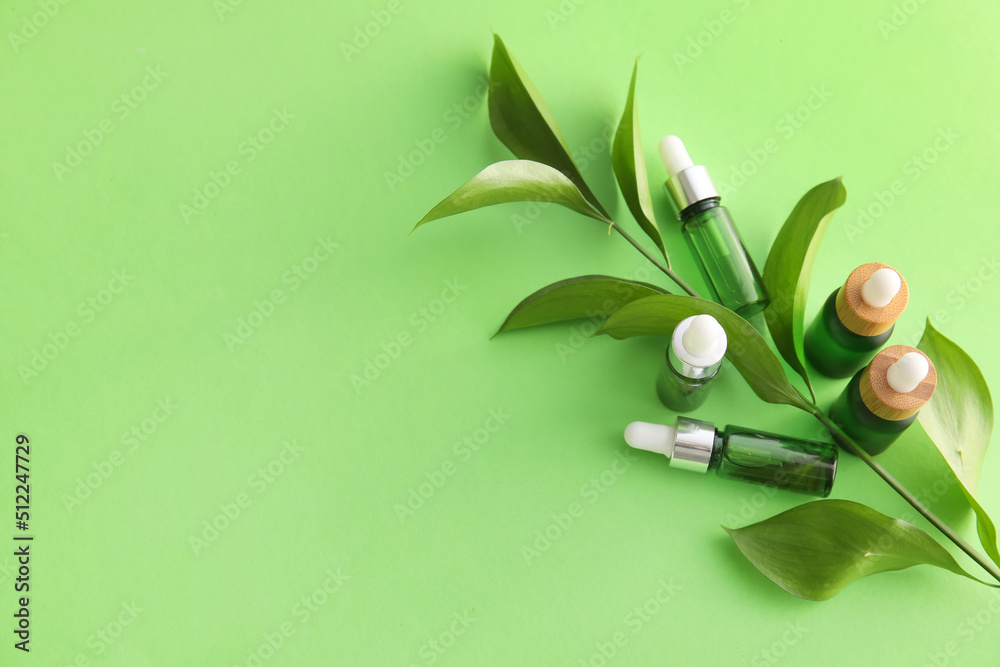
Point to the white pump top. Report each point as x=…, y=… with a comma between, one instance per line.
x=699, y=341
x=908, y=372
x=881, y=288
x=675, y=157
x=657, y=438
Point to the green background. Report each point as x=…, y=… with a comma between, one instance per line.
x=117, y=518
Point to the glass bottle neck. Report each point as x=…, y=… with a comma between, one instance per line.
x=699, y=207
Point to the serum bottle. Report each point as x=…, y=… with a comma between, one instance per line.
x=882, y=400
x=694, y=356
x=740, y=453
x=710, y=233
x=856, y=320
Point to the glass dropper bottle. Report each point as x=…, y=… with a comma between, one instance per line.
x=723, y=258
x=856, y=320
x=777, y=461
x=693, y=358
x=883, y=399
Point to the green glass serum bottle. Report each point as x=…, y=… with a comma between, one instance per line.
x=856, y=320
x=882, y=400
x=709, y=230
x=693, y=358
x=740, y=453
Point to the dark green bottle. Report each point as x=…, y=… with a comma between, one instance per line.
x=882, y=400
x=740, y=453
x=695, y=354
x=723, y=258
x=856, y=320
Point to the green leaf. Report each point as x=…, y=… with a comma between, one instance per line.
x=576, y=298
x=789, y=267
x=630, y=169
x=512, y=181
x=985, y=528
x=816, y=550
x=524, y=123
x=658, y=315
x=959, y=420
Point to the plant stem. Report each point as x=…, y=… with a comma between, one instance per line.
x=853, y=447
x=667, y=270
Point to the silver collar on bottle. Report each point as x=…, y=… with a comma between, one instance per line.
x=684, y=369
x=693, y=445
x=691, y=185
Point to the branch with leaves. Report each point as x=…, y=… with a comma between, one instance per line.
x=814, y=550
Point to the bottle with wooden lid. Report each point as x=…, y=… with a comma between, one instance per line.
x=883, y=399
x=856, y=320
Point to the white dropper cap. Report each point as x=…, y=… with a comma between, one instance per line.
x=881, y=288
x=675, y=157
x=657, y=438
x=700, y=341
x=908, y=372
x=702, y=335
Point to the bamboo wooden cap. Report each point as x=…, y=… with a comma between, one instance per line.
x=885, y=402
x=857, y=315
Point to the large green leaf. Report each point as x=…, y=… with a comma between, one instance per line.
x=524, y=123
x=789, y=266
x=512, y=181
x=816, y=550
x=959, y=420
x=658, y=315
x=630, y=169
x=576, y=298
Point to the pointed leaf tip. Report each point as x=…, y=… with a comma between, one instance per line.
x=629, y=163
x=524, y=123
x=577, y=298
x=959, y=421
x=788, y=269
x=815, y=550
x=513, y=181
